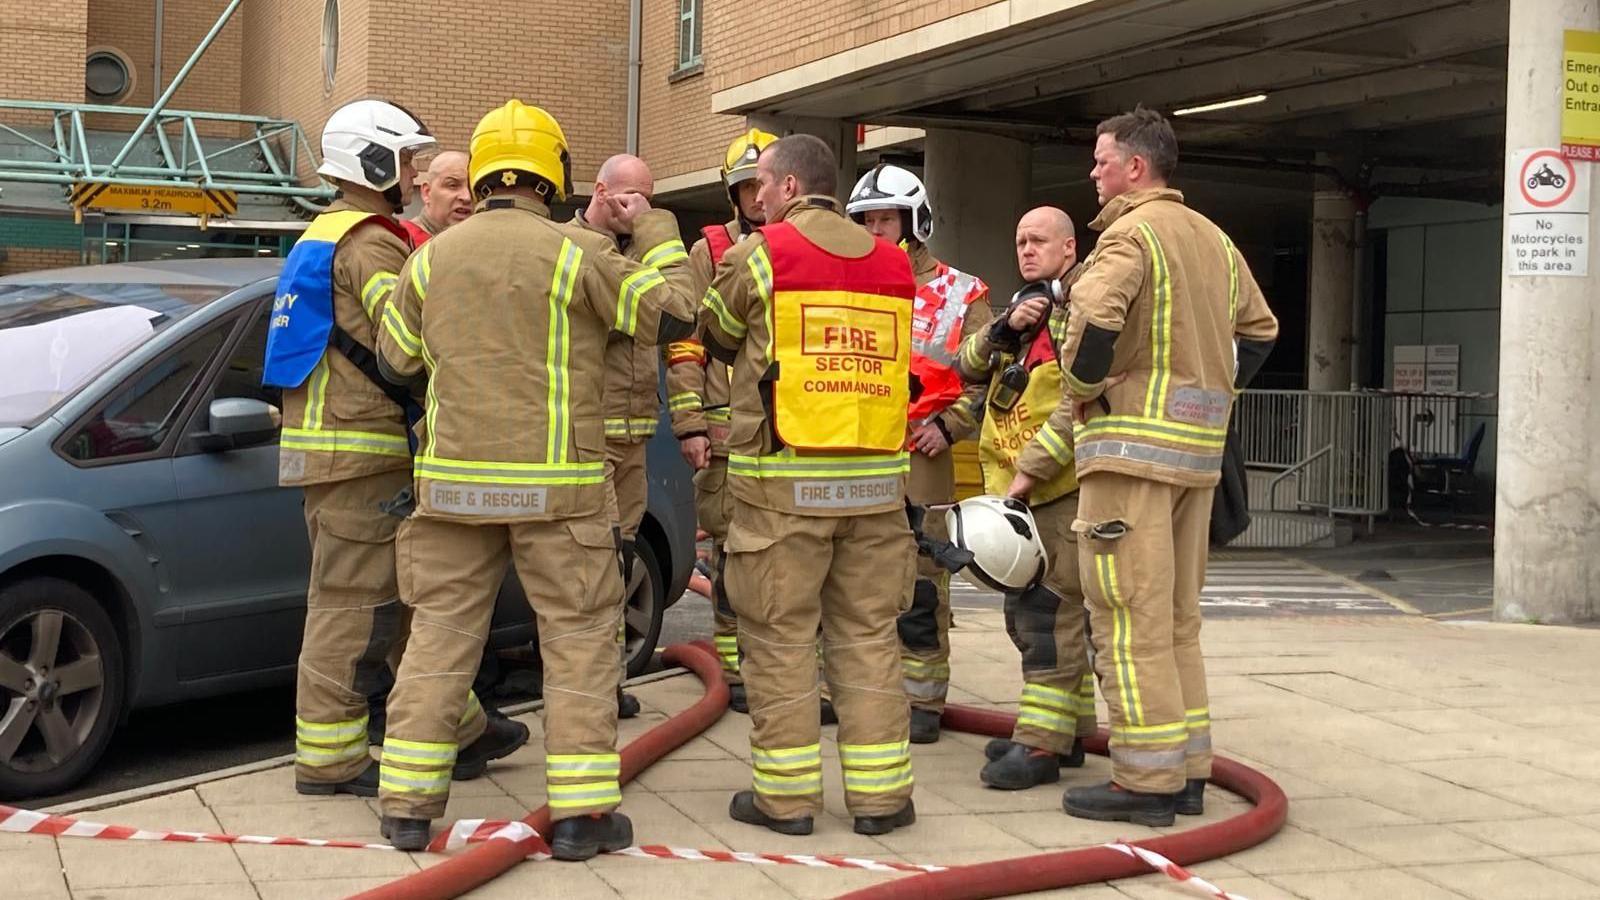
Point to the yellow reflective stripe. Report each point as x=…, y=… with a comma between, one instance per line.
x=427, y=754
x=345, y=442
x=1047, y=697
x=1121, y=638
x=316, y=757
x=683, y=402
x=761, y=269
x=1233, y=277
x=1138, y=426
x=583, y=794
x=1198, y=718
x=634, y=287
x=558, y=349
x=1155, y=401
x=1046, y=720
x=784, y=466
x=919, y=669
x=1079, y=388
x=406, y=781
x=636, y=427
x=665, y=254
x=859, y=755
x=331, y=732
x=971, y=356
x=431, y=413
x=787, y=758
x=878, y=782
x=1150, y=734
x=421, y=270
x=787, y=785
x=316, y=395
x=379, y=286
x=712, y=300
x=395, y=324
x=588, y=765
x=479, y=472
x=1054, y=445
x=474, y=708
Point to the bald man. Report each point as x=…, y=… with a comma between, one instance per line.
x=1017, y=357
x=632, y=404
x=446, y=197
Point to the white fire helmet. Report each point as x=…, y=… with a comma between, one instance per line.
x=891, y=187
x=1000, y=532
x=363, y=140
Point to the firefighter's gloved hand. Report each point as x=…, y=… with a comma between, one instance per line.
x=400, y=505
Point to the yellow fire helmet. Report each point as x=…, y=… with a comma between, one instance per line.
x=740, y=162
x=516, y=142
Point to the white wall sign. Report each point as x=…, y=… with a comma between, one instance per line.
x=1547, y=214
x=1444, y=369
x=1410, y=368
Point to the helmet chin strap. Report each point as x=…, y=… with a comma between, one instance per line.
x=393, y=195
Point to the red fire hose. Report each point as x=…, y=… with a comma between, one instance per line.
x=488, y=860
x=1044, y=871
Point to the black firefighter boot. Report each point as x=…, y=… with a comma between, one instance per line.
x=501, y=738
x=1110, y=802
x=1021, y=767
x=585, y=837
x=924, y=725
x=1072, y=759
x=873, y=825
x=1191, y=801
x=627, y=704
x=738, y=700
x=406, y=834
x=744, y=809
x=364, y=784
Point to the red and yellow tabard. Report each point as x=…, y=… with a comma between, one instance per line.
x=1005, y=433
x=842, y=342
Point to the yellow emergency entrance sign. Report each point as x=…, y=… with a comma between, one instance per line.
x=1580, y=95
x=174, y=200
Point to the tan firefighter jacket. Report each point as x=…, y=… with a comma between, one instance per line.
x=1172, y=291
x=508, y=314
x=734, y=319
x=339, y=425
x=632, y=402
x=697, y=385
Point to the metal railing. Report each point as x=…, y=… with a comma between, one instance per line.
x=1335, y=447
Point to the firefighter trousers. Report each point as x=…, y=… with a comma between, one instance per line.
x=711, y=510
x=1143, y=562
x=1046, y=624
x=627, y=494
x=450, y=574
x=788, y=574
x=925, y=627
x=354, y=627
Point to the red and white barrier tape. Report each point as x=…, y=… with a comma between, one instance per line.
x=1172, y=870
x=473, y=831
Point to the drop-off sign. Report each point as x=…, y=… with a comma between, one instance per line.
x=1547, y=214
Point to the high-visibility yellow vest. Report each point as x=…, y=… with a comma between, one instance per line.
x=1006, y=434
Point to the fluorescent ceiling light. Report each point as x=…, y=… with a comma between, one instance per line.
x=1220, y=104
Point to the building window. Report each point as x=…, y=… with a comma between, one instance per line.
x=106, y=77
x=688, y=34
x=330, y=43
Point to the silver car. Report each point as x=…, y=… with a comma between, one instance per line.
x=147, y=553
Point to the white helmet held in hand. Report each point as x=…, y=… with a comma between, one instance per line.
x=891, y=187
x=1003, y=538
x=363, y=140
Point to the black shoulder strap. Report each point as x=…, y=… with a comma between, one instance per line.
x=367, y=362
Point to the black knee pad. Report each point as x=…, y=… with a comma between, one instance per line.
x=919, y=625
x=1031, y=623
x=372, y=676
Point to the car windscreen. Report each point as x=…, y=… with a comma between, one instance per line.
x=55, y=338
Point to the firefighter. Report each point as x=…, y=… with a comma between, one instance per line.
x=344, y=440
x=632, y=404
x=446, y=198
x=951, y=307
x=512, y=467
x=813, y=313
x=697, y=396
x=1167, y=323
x=1016, y=357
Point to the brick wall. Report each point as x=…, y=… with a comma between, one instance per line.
x=462, y=58
x=282, y=56
x=678, y=133
x=42, y=51
x=747, y=46
x=128, y=26
x=32, y=259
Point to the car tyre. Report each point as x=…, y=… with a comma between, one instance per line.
x=62, y=688
x=647, y=603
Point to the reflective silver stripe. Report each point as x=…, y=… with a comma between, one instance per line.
x=665, y=253
x=558, y=351
x=818, y=466
x=634, y=287
x=787, y=785
x=513, y=473
x=583, y=766
x=926, y=688
x=1161, y=456
x=317, y=757
x=1054, y=445
x=878, y=781
x=406, y=782
x=1199, y=742
x=341, y=732
x=712, y=300
x=1046, y=719
x=859, y=755
x=1147, y=759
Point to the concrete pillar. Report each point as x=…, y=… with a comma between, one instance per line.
x=1331, y=295
x=979, y=185
x=1547, y=501
x=839, y=135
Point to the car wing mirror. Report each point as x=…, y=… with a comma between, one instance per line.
x=240, y=422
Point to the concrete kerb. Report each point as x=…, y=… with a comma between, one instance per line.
x=173, y=786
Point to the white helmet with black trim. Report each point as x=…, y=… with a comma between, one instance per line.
x=891, y=187
x=1003, y=538
x=362, y=143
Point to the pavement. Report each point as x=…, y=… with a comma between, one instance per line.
x=1423, y=759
